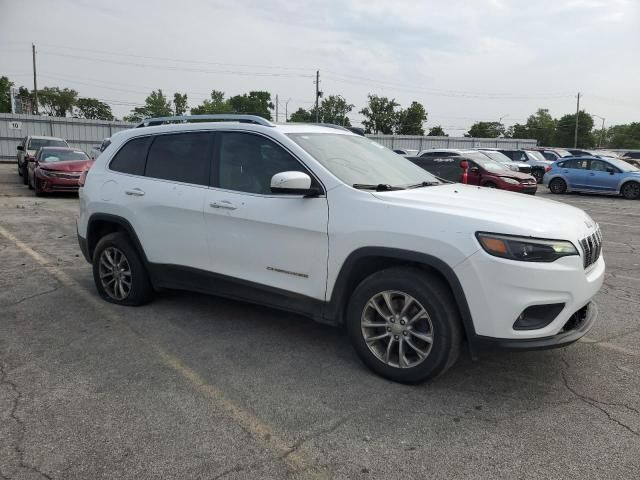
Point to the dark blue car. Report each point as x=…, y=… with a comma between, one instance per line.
x=594, y=175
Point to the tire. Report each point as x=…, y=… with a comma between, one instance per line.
x=36, y=186
x=441, y=323
x=538, y=174
x=19, y=169
x=117, y=249
x=25, y=174
x=30, y=181
x=630, y=190
x=490, y=185
x=557, y=185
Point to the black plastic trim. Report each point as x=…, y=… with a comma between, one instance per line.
x=556, y=341
x=202, y=281
x=120, y=221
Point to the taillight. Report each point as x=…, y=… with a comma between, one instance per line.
x=547, y=168
x=83, y=178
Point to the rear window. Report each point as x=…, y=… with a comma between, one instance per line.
x=131, y=157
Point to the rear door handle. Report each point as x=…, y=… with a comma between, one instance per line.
x=224, y=204
x=135, y=192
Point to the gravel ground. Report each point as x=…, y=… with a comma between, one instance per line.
x=193, y=386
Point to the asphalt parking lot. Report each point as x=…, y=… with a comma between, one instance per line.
x=193, y=386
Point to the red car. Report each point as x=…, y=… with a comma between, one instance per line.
x=57, y=169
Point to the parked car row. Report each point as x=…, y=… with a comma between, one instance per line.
x=50, y=165
x=485, y=168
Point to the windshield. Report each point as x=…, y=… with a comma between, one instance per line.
x=358, y=160
x=36, y=143
x=497, y=156
x=536, y=155
x=622, y=165
x=563, y=153
x=51, y=156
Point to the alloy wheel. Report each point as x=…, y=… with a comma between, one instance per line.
x=115, y=273
x=397, y=329
x=631, y=190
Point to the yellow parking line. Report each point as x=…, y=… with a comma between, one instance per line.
x=260, y=431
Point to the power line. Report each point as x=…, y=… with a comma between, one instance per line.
x=174, y=68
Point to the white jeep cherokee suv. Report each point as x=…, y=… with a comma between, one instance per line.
x=334, y=226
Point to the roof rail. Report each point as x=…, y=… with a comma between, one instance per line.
x=147, y=122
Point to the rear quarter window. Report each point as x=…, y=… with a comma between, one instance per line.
x=131, y=158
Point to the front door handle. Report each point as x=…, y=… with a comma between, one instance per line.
x=135, y=192
x=225, y=204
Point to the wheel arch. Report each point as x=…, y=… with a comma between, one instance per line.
x=626, y=181
x=101, y=224
x=367, y=260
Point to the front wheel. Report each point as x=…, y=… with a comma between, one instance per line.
x=631, y=190
x=25, y=174
x=118, y=271
x=558, y=185
x=404, y=324
x=538, y=174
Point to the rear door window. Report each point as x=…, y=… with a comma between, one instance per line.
x=132, y=156
x=180, y=157
x=576, y=164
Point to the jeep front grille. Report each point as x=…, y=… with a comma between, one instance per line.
x=591, y=248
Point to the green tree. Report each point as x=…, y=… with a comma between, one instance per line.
x=216, y=104
x=541, y=126
x=180, y=106
x=410, y=120
x=93, y=109
x=518, y=131
x=256, y=103
x=302, y=116
x=380, y=115
x=623, y=136
x=486, y=130
x=436, y=131
x=334, y=109
x=155, y=105
x=57, y=102
x=5, y=95
x=565, y=130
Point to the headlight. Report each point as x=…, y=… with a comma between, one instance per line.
x=525, y=249
x=46, y=173
x=512, y=181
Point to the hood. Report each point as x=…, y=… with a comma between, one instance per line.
x=69, y=166
x=469, y=208
x=512, y=174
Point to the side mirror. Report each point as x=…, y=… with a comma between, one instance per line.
x=293, y=183
x=474, y=169
x=20, y=148
x=33, y=160
x=611, y=170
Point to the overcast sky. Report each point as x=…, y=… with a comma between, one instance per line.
x=465, y=60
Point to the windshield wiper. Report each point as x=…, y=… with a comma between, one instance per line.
x=424, y=184
x=380, y=187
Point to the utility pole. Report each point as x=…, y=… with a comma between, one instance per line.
x=318, y=95
x=35, y=82
x=276, y=108
x=601, y=134
x=575, y=135
x=286, y=110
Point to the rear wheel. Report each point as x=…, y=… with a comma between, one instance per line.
x=404, y=324
x=558, y=185
x=631, y=190
x=118, y=271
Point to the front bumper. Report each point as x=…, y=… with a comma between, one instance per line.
x=499, y=290
x=576, y=327
x=56, y=184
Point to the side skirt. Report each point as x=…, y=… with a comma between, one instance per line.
x=196, y=280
